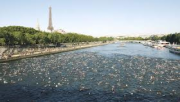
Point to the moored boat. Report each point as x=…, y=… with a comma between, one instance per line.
x=175, y=50
x=122, y=45
x=163, y=43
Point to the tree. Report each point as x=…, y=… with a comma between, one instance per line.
x=2, y=42
x=29, y=39
x=155, y=37
x=18, y=35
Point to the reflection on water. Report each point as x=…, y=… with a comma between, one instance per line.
x=95, y=74
x=133, y=50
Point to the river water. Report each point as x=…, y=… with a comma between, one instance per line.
x=108, y=73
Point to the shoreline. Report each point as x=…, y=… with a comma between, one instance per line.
x=37, y=54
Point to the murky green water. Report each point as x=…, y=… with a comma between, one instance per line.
x=104, y=73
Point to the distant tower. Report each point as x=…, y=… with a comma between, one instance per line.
x=50, y=27
x=37, y=25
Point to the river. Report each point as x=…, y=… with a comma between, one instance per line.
x=98, y=74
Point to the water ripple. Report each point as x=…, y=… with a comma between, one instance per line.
x=88, y=76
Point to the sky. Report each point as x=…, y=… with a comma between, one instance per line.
x=95, y=17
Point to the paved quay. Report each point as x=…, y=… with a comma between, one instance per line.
x=49, y=51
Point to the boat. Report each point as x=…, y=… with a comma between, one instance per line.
x=122, y=45
x=148, y=43
x=160, y=44
x=163, y=43
x=157, y=46
x=168, y=46
x=175, y=50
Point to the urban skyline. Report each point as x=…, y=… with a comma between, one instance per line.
x=96, y=18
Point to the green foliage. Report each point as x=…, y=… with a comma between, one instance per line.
x=105, y=39
x=132, y=38
x=173, y=38
x=2, y=41
x=18, y=35
x=19, y=29
x=155, y=38
x=163, y=38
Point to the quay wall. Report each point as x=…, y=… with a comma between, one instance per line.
x=26, y=52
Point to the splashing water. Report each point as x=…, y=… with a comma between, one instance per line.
x=89, y=76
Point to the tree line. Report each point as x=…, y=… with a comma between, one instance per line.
x=172, y=38
x=132, y=38
x=18, y=35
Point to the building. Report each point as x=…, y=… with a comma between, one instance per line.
x=60, y=31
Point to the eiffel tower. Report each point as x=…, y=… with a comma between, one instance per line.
x=50, y=27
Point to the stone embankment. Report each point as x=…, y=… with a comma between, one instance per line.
x=9, y=54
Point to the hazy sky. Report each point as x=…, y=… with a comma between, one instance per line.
x=95, y=17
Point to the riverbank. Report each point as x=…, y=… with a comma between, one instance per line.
x=47, y=51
